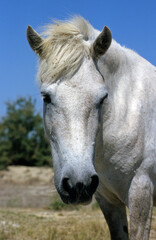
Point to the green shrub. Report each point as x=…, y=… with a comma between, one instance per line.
x=22, y=138
x=95, y=206
x=58, y=205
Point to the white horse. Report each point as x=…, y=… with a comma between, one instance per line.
x=99, y=94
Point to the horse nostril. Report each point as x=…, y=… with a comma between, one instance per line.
x=78, y=191
x=66, y=185
x=94, y=183
x=79, y=187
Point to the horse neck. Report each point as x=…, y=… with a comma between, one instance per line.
x=114, y=64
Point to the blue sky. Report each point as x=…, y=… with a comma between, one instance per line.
x=133, y=24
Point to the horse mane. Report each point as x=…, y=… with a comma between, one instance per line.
x=64, y=48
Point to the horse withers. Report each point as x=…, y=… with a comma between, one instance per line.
x=100, y=117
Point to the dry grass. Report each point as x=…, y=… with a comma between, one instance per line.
x=41, y=224
x=29, y=187
x=29, y=224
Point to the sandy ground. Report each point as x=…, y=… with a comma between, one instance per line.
x=26, y=187
x=27, y=175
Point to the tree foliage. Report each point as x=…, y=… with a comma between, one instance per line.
x=22, y=138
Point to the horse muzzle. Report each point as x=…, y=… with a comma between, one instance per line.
x=75, y=192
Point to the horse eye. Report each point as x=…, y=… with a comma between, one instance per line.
x=46, y=98
x=102, y=100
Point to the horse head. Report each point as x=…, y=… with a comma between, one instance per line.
x=73, y=92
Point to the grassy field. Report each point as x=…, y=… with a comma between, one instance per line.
x=23, y=188
x=44, y=224
x=57, y=223
x=40, y=224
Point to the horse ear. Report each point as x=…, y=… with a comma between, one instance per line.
x=35, y=40
x=102, y=42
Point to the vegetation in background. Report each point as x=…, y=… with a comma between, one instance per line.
x=58, y=205
x=22, y=138
x=95, y=206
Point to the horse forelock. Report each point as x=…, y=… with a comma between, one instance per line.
x=64, y=48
